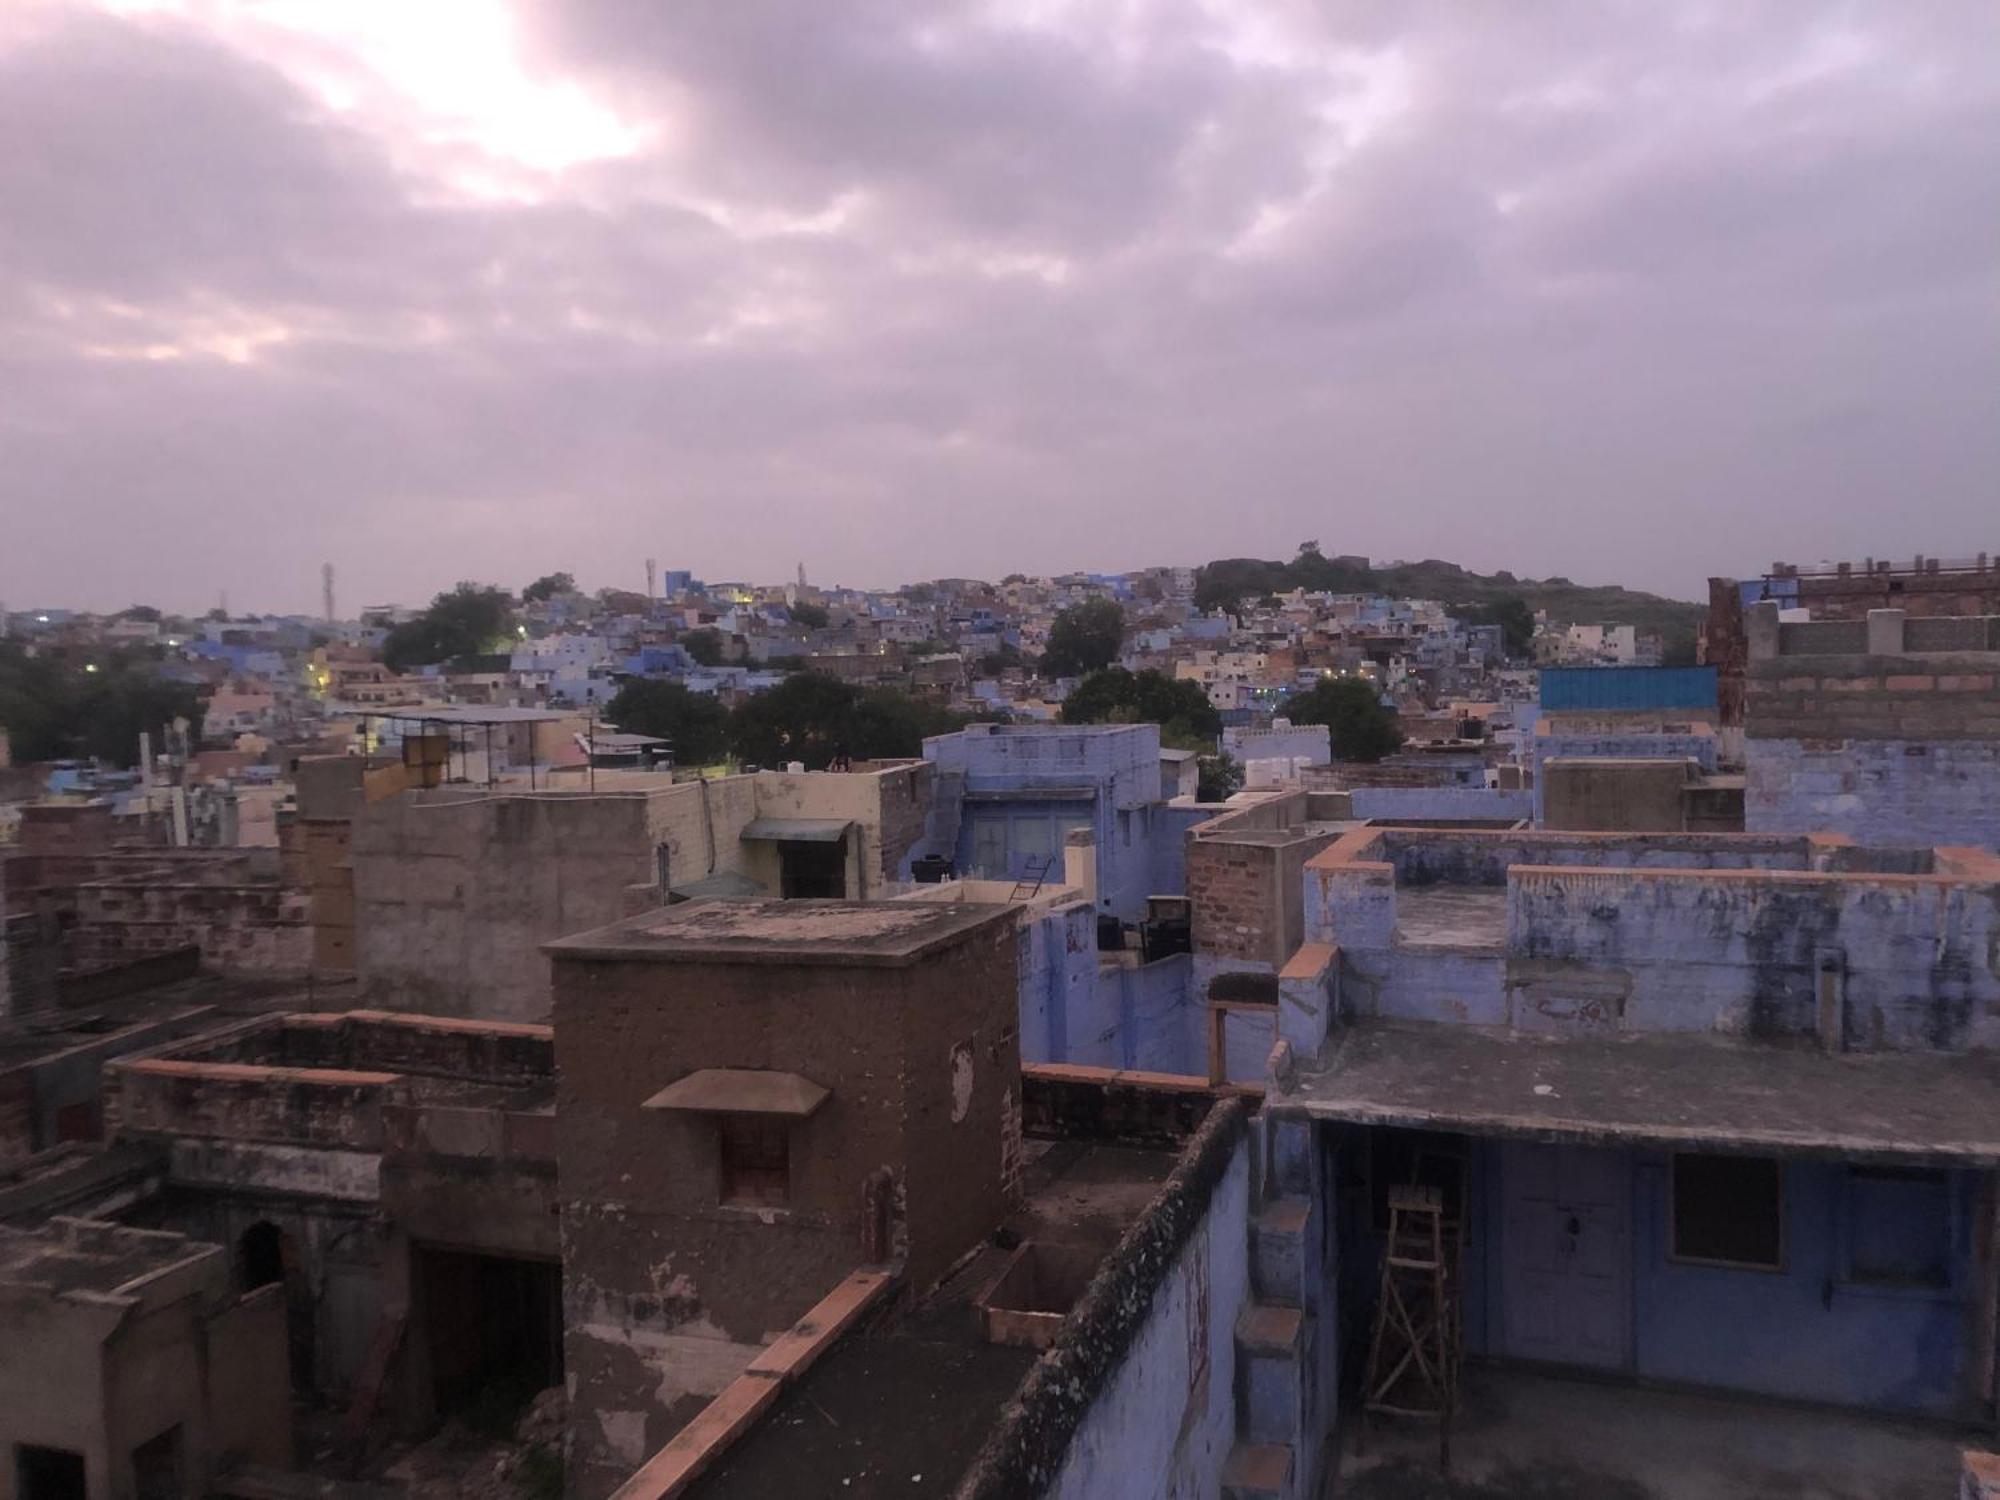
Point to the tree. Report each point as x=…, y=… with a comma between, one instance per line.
x=704, y=645
x=1512, y=615
x=1084, y=638
x=1186, y=718
x=466, y=621
x=806, y=718
x=548, y=586
x=695, y=722
x=1351, y=708
x=55, y=709
x=1221, y=777
x=993, y=663
x=812, y=616
x=820, y=720
x=889, y=725
x=144, y=612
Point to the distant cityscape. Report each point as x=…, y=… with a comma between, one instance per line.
x=1224, y=1032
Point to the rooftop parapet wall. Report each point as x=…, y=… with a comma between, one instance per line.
x=496, y=1052
x=1755, y=937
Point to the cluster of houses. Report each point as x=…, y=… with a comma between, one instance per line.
x=1622, y=1058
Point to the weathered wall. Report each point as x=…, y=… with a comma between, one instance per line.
x=455, y=894
x=1697, y=745
x=1623, y=795
x=1657, y=941
x=668, y=1292
x=700, y=824
x=1885, y=728
x=1121, y=764
x=1163, y=1425
x=1145, y=1017
x=1137, y=1396
x=244, y=928
x=1807, y=1332
x=1918, y=957
x=1388, y=804
x=1056, y=957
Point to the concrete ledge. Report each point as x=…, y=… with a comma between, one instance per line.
x=690, y=1452
x=1034, y=1433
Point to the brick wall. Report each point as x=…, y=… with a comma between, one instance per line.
x=906, y=807
x=1234, y=891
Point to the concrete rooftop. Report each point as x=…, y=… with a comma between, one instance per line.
x=1659, y=1091
x=1523, y=1436
x=78, y=1255
x=888, y=933
x=901, y=1408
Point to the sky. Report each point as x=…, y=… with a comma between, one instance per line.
x=1614, y=289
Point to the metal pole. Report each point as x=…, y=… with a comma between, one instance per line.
x=592, y=755
x=489, y=757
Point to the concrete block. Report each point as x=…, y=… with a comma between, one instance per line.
x=1885, y=632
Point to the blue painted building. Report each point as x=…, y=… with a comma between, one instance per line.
x=1720, y=1111
x=1010, y=795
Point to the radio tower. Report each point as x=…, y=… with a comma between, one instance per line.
x=652, y=576
x=326, y=591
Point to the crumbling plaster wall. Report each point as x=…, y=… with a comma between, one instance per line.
x=454, y=894
x=667, y=1291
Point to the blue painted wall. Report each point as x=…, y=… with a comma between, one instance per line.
x=1628, y=687
x=1154, y=1431
x=1120, y=764
x=1809, y=1332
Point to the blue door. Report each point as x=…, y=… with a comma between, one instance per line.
x=1566, y=1258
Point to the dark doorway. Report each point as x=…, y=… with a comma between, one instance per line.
x=48, y=1474
x=261, y=1255
x=809, y=870
x=265, y=1254
x=156, y=1467
x=494, y=1330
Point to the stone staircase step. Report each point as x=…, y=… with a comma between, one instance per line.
x=1264, y=1328
x=1257, y=1471
x=1278, y=1251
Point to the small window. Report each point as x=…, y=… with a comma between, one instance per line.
x=1729, y=1211
x=755, y=1159
x=1899, y=1227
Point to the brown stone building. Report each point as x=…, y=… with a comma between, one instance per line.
x=755, y=1099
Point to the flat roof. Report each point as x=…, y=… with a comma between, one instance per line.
x=882, y=933
x=1658, y=1091
x=901, y=1408
x=83, y=1255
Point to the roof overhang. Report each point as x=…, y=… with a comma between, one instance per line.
x=741, y=1091
x=797, y=830
x=1659, y=1092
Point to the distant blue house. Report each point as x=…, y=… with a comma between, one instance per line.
x=1009, y=796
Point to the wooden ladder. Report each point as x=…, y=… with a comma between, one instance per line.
x=1413, y=1356
x=1030, y=883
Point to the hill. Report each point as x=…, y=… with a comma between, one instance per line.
x=1226, y=580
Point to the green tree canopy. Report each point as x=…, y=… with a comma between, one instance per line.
x=1084, y=638
x=704, y=645
x=1221, y=777
x=548, y=586
x=468, y=620
x=812, y=616
x=1351, y=708
x=54, y=709
x=696, y=723
x=1115, y=696
x=818, y=720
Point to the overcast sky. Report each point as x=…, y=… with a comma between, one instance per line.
x=435, y=289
